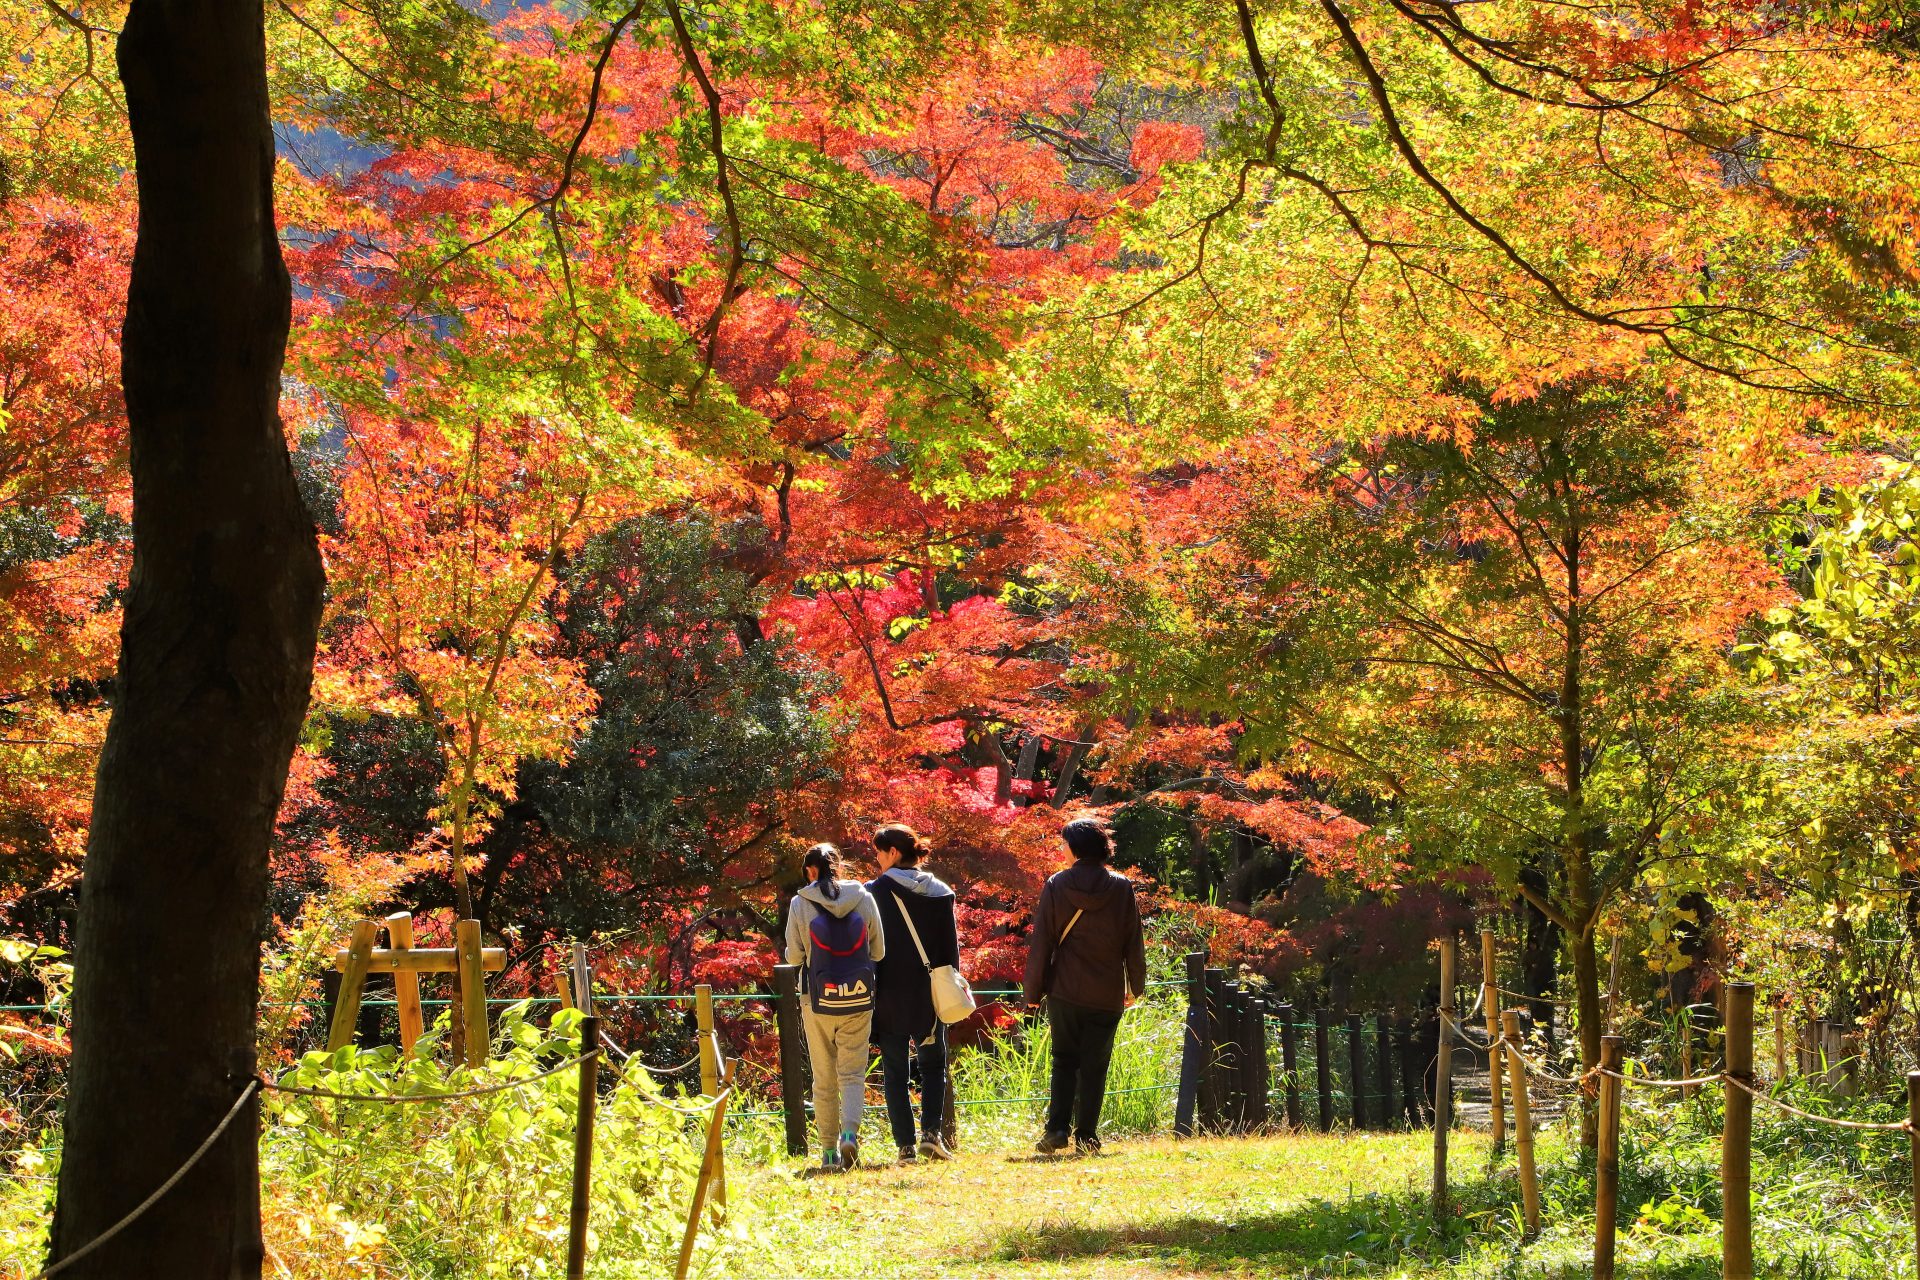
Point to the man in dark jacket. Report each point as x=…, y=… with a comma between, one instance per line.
x=1088, y=958
x=903, y=1018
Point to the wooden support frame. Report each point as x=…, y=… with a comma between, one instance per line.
x=406, y=963
x=712, y=1167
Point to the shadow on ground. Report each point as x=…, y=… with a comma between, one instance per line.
x=1323, y=1238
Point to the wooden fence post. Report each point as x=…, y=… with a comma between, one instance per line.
x=703, y=1021
x=1413, y=1087
x=1323, y=1068
x=1193, y=1049
x=793, y=1083
x=1736, y=1139
x=1233, y=1094
x=1606, y=1180
x=1383, y=1067
x=406, y=983
x=1356, y=1071
x=1253, y=1042
x=353, y=980
x=1913, y=1153
x=1443, y=1079
x=1490, y=1006
x=1213, y=1088
x=473, y=991
x=1522, y=1120
x=583, y=1147
x=1290, y=1063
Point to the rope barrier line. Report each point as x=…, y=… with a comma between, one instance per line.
x=1898, y=1126
x=1647, y=1082
x=239, y=1103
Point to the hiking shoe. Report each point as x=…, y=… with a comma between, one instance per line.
x=1051, y=1143
x=933, y=1149
x=849, y=1151
x=1086, y=1146
x=908, y=1155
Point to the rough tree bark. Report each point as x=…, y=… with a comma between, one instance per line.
x=217, y=648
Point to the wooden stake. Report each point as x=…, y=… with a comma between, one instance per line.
x=353, y=980
x=1606, y=1180
x=1443, y=1080
x=563, y=985
x=1522, y=1121
x=1913, y=1152
x=582, y=978
x=583, y=1148
x=1383, y=1069
x=710, y=1164
x=1356, y=1071
x=1490, y=1005
x=406, y=983
x=1290, y=1064
x=473, y=991
x=1259, y=1069
x=1323, y=1068
x=1736, y=1139
x=793, y=1074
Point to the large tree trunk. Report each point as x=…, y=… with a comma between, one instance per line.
x=216, y=658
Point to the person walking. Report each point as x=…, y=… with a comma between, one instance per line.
x=1088, y=958
x=916, y=915
x=834, y=935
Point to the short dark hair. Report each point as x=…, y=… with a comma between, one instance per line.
x=902, y=839
x=1088, y=840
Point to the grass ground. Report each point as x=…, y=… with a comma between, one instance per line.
x=1276, y=1206
x=1294, y=1206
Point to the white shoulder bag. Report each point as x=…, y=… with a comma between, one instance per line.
x=952, y=997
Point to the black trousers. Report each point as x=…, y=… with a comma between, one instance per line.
x=897, y=1071
x=1082, y=1052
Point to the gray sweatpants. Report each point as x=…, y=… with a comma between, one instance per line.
x=837, y=1048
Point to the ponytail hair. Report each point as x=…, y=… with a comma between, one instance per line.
x=825, y=859
x=902, y=839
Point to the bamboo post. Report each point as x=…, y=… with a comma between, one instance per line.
x=1323, y=1068
x=582, y=969
x=353, y=979
x=1522, y=1120
x=406, y=983
x=583, y=1147
x=1290, y=1064
x=563, y=985
x=1383, y=1067
x=1736, y=1139
x=1443, y=1079
x=473, y=991
x=1490, y=1006
x=1356, y=1071
x=710, y=1163
x=1606, y=1180
x=1779, y=1041
x=1193, y=1047
x=703, y=1021
x=1913, y=1152
x=793, y=1083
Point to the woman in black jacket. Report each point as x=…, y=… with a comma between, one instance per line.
x=903, y=1017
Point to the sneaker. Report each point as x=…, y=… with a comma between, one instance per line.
x=1050, y=1143
x=908, y=1154
x=830, y=1162
x=1086, y=1146
x=933, y=1149
x=849, y=1150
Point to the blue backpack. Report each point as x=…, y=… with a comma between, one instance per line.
x=840, y=973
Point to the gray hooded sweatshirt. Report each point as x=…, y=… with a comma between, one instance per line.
x=850, y=895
